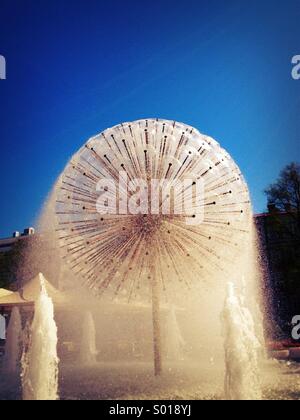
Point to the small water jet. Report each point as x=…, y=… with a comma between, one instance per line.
x=40, y=362
x=242, y=378
x=13, y=343
x=88, y=348
x=173, y=340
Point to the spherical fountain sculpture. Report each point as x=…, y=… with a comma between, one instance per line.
x=149, y=208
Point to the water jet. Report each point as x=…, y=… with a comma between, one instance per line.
x=40, y=362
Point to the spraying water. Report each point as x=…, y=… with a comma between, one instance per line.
x=88, y=349
x=242, y=379
x=13, y=343
x=154, y=258
x=174, y=341
x=40, y=363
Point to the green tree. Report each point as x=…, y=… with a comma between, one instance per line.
x=284, y=196
x=284, y=239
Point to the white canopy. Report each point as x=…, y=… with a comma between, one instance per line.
x=4, y=292
x=30, y=293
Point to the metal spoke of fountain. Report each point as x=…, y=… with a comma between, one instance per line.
x=119, y=251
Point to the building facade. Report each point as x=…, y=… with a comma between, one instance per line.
x=280, y=244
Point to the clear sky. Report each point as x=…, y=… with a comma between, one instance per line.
x=76, y=67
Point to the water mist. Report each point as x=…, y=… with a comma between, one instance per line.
x=121, y=257
x=242, y=378
x=13, y=343
x=88, y=349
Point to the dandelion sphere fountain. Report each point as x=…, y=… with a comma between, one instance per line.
x=149, y=208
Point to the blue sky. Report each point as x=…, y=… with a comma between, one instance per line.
x=75, y=68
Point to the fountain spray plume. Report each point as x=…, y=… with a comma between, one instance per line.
x=40, y=363
x=157, y=259
x=13, y=343
x=242, y=377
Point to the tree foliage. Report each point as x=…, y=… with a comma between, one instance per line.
x=284, y=242
x=284, y=195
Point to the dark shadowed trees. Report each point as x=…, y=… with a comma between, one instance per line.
x=283, y=241
x=284, y=197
